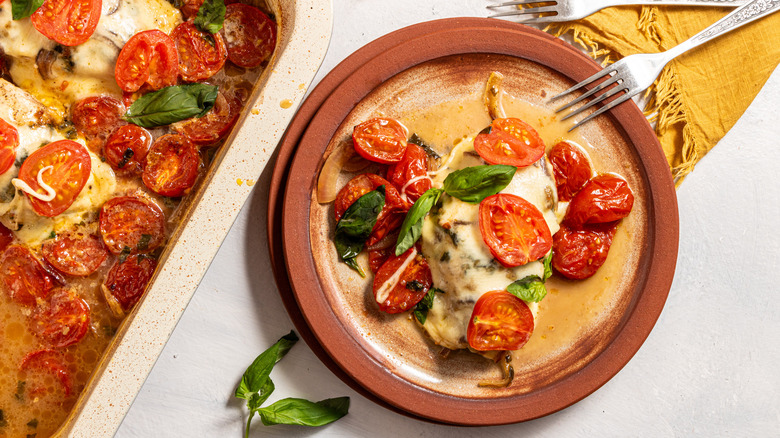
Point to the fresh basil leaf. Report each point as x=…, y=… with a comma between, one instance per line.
x=356, y=224
x=259, y=397
x=530, y=288
x=210, y=16
x=304, y=412
x=255, y=377
x=24, y=8
x=421, y=309
x=547, y=266
x=411, y=229
x=172, y=104
x=473, y=184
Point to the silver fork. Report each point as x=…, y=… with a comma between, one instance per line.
x=568, y=10
x=635, y=73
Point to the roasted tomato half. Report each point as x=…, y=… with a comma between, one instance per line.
x=396, y=293
x=509, y=141
x=38, y=366
x=126, y=282
x=24, y=279
x=250, y=36
x=513, y=229
x=131, y=225
x=380, y=140
x=201, y=54
x=392, y=215
x=126, y=149
x=9, y=141
x=411, y=172
x=571, y=169
x=64, y=167
x=97, y=116
x=61, y=321
x=215, y=125
x=499, y=321
x=605, y=198
x=149, y=57
x=76, y=254
x=68, y=22
x=171, y=165
x=579, y=253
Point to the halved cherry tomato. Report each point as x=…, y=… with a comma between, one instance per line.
x=64, y=166
x=23, y=277
x=190, y=8
x=392, y=214
x=97, y=116
x=68, y=22
x=148, y=57
x=171, y=165
x=211, y=128
x=510, y=141
x=127, y=280
x=201, y=54
x=126, y=149
x=75, y=254
x=63, y=320
x=380, y=140
x=605, y=198
x=132, y=225
x=411, y=286
x=49, y=362
x=414, y=165
x=9, y=141
x=513, y=229
x=6, y=237
x=571, y=169
x=250, y=36
x=378, y=257
x=499, y=321
x=579, y=253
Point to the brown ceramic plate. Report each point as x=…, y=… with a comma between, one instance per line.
x=586, y=331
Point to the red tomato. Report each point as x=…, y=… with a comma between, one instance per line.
x=579, y=253
x=24, y=278
x=413, y=165
x=63, y=321
x=6, y=237
x=9, y=141
x=132, y=223
x=411, y=286
x=605, y=198
x=67, y=166
x=499, y=321
x=510, y=141
x=201, y=54
x=378, y=257
x=250, y=36
x=126, y=149
x=571, y=169
x=68, y=22
x=127, y=280
x=148, y=57
x=171, y=165
x=97, y=116
x=48, y=362
x=75, y=254
x=190, y=8
x=392, y=214
x=513, y=229
x=380, y=140
x=215, y=125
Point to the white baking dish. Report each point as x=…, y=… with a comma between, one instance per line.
x=304, y=34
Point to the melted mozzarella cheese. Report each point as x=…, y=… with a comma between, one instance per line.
x=461, y=264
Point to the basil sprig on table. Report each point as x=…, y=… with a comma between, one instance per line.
x=531, y=288
x=473, y=184
x=256, y=386
x=355, y=226
x=172, y=104
x=411, y=229
x=24, y=8
x=211, y=16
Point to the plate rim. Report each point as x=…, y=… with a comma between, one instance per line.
x=485, y=36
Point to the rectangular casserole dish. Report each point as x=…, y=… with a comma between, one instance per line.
x=304, y=34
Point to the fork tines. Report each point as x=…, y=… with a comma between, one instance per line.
x=613, y=84
x=538, y=14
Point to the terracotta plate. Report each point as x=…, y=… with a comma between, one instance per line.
x=585, y=333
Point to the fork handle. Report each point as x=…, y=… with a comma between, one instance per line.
x=750, y=11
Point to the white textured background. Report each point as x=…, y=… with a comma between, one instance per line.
x=710, y=367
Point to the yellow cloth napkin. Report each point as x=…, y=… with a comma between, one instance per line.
x=699, y=95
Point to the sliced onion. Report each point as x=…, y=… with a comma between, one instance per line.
x=113, y=303
x=342, y=158
x=509, y=374
x=493, y=95
x=386, y=242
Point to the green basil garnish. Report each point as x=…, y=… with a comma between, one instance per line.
x=411, y=229
x=547, y=266
x=356, y=224
x=24, y=8
x=473, y=184
x=530, y=288
x=211, y=16
x=172, y=104
x=421, y=309
x=425, y=146
x=256, y=386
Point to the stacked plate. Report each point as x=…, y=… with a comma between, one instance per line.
x=387, y=359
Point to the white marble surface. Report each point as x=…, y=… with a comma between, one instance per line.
x=710, y=367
